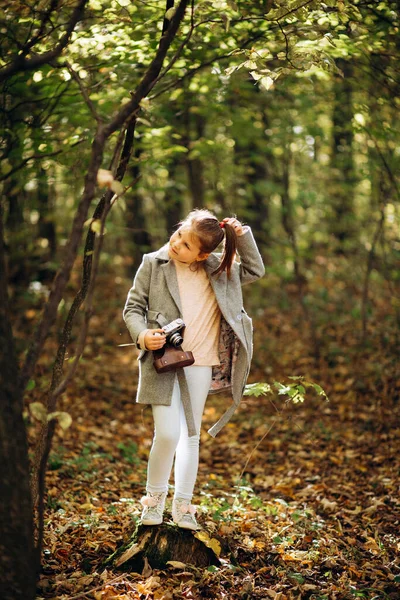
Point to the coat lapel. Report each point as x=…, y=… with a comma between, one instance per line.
x=171, y=279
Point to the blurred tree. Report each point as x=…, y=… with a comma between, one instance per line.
x=342, y=162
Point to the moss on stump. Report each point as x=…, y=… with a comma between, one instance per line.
x=160, y=544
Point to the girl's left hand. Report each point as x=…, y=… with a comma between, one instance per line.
x=233, y=222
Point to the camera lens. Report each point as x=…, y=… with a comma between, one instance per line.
x=176, y=339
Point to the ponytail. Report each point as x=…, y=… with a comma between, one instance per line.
x=210, y=233
x=229, y=252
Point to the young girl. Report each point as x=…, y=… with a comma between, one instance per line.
x=185, y=279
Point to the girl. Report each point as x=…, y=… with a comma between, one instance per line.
x=185, y=279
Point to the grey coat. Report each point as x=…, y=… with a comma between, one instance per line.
x=154, y=301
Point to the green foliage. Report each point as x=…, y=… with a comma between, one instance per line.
x=84, y=462
x=129, y=452
x=295, y=390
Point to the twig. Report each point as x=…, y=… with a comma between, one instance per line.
x=384, y=161
x=287, y=47
x=84, y=93
x=88, y=312
x=46, y=17
x=290, y=12
x=256, y=446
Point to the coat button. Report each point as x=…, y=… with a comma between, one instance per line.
x=239, y=317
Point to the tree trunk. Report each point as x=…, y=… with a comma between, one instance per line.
x=173, y=202
x=258, y=215
x=156, y=546
x=254, y=158
x=194, y=165
x=288, y=220
x=135, y=217
x=47, y=228
x=342, y=223
x=17, y=231
x=17, y=564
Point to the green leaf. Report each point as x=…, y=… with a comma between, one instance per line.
x=257, y=389
x=266, y=82
x=282, y=389
x=297, y=577
x=31, y=385
x=277, y=539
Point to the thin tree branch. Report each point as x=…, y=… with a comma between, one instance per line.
x=26, y=160
x=45, y=439
x=46, y=17
x=128, y=110
x=48, y=429
x=21, y=63
x=84, y=93
x=191, y=72
x=147, y=82
x=178, y=52
x=385, y=163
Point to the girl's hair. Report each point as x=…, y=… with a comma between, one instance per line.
x=210, y=234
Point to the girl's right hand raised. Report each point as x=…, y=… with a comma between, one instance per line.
x=154, y=339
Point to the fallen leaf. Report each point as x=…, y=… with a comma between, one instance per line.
x=176, y=564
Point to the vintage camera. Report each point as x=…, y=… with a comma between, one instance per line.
x=174, y=332
x=171, y=356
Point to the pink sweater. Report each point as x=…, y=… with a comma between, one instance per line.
x=200, y=313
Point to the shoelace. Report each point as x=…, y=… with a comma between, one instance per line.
x=153, y=504
x=185, y=511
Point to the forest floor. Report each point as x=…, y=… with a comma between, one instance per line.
x=304, y=498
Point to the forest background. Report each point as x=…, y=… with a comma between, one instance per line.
x=285, y=114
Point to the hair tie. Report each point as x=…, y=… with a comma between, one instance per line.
x=222, y=224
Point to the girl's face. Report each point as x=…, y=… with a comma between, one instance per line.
x=184, y=247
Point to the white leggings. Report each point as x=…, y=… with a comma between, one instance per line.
x=171, y=437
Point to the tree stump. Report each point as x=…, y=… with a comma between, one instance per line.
x=157, y=545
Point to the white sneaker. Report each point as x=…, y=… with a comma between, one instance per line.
x=153, y=508
x=183, y=514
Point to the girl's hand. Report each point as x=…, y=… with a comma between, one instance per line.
x=154, y=339
x=237, y=226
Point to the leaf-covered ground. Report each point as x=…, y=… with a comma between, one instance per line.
x=303, y=498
